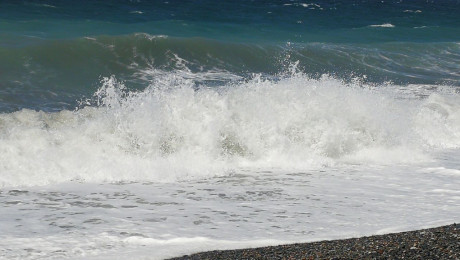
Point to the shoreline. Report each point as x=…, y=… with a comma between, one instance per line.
x=433, y=243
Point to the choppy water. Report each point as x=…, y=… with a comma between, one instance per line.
x=138, y=129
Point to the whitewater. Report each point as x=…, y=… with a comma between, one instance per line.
x=180, y=167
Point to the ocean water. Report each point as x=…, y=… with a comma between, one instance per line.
x=152, y=129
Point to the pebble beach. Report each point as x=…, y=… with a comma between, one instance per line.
x=434, y=243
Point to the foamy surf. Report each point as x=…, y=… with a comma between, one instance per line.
x=173, y=130
x=148, y=220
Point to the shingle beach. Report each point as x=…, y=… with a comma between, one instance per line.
x=434, y=243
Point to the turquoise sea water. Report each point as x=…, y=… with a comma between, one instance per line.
x=54, y=53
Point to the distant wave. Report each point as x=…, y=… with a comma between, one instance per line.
x=385, y=25
x=412, y=11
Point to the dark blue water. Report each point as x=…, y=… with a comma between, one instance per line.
x=54, y=53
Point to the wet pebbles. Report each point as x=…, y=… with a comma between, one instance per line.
x=434, y=243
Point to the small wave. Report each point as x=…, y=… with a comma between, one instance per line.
x=49, y=6
x=412, y=11
x=311, y=5
x=150, y=36
x=43, y=5
x=385, y=25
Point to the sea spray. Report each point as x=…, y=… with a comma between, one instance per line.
x=173, y=130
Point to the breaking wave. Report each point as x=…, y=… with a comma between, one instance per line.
x=173, y=130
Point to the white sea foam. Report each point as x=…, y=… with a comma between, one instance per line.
x=172, y=131
x=248, y=209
